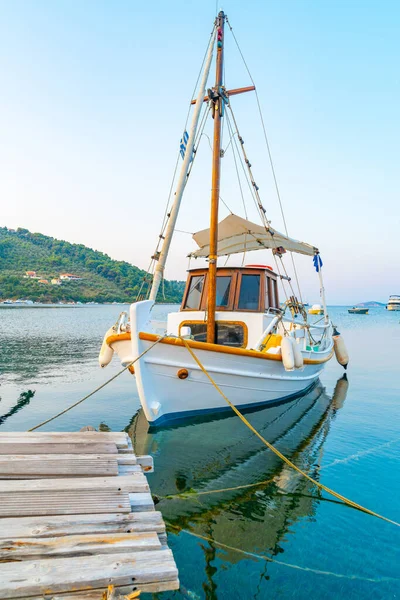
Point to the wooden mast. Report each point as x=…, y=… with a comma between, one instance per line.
x=218, y=101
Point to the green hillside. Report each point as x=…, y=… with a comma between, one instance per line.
x=102, y=278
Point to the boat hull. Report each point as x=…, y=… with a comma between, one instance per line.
x=247, y=382
x=172, y=386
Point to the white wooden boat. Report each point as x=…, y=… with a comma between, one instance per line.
x=258, y=351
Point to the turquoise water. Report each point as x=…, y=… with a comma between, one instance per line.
x=344, y=433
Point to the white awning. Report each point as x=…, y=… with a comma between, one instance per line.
x=239, y=235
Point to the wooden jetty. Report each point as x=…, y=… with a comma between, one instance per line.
x=76, y=515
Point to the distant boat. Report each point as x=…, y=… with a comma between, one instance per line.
x=357, y=310
x=316, y=309
x=394, y=303
x=18, y=302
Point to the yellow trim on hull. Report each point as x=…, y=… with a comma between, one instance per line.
x=175, y=341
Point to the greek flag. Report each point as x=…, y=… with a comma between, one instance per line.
x=317, y=260
x=183, y=144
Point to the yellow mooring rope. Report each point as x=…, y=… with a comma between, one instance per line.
x=97, y=389
x=276, y=561
x=321, y=486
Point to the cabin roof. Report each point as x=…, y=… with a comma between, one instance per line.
x=244, y=267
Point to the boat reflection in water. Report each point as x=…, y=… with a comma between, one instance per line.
x=222, y=453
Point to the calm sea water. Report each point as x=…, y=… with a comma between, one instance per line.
x=344, y=433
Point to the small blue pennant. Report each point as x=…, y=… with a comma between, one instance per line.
x=317, y=260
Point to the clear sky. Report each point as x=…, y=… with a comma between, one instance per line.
x=94, y=97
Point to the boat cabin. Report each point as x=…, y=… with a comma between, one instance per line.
x=245, y=296
x=251, y=288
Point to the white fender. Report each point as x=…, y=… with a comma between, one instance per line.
x=106, y=352
x=340, y=349
x=287, y=353
x=298, y=357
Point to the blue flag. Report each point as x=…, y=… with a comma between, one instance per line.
x=183, y=144
x=317, y=260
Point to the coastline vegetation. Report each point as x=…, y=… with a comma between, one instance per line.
x=102, y=278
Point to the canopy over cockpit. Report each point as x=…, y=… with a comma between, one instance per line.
x=236, y=234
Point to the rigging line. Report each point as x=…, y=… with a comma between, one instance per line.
x=183, y=231
x=198, y=140
x=261, y=208
x=269, y=153
x=208, y=138
x=144, y=279
x=202, y=124
x=236, y=167
x=225, y=204
x=253, y=185
x=251, y=189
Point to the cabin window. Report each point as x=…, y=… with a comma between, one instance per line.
x=228, y=333
x=223, y=288
x=249, y=292
x=194, y=294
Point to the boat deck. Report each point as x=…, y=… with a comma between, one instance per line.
x=76, y=515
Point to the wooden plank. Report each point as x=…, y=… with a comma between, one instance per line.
x=146, y=462
x=63, y=503
x=136, y=482
x=145, y=588
x=32, y=578
x=141, y=501
x=129, y=469
x=67, y=465
x=126, y=459
x=13, y=448
x=129, y=448
x=76, y=545
x=119, y=438
x=51, y=526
